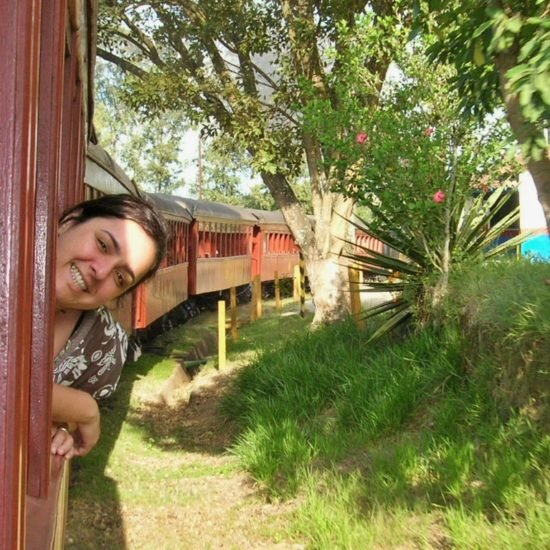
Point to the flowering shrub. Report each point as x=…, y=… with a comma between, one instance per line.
x=419, y=193
x=416, y=179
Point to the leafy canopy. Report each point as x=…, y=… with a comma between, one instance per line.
x=490, y=41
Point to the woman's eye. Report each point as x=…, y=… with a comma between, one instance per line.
x=119, y=278
x=102, y=245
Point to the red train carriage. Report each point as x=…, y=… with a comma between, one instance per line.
x=220, y=246
x=212, y=247
x=169, y=288
x=274, y=249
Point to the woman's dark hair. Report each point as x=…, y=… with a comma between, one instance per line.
x=125, y=207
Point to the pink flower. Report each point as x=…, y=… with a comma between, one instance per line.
x=439, y=196
x=429, y=131
x=362, y=137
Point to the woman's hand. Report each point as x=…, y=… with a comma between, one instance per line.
x=62, y=442
x=87, y=435
x=78, y=408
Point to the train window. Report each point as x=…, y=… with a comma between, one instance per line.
x=215, y=240
x=222, y=240
x=231, y=250
x=183, y=242
x=224, y=243
x=202, y=244
x=171, y=245
x=240, y=244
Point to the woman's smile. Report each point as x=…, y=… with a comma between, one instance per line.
x=78, y=278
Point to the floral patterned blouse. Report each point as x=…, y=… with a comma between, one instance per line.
x=94, y=355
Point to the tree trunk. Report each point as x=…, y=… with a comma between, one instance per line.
x=524, y=131
x=329, y=283
x=322, y=243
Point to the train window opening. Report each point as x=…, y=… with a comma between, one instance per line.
x=215, y=250
x=222, y=249
x=232, y=241
x=228, y=241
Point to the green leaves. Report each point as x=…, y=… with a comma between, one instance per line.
x=485, y=42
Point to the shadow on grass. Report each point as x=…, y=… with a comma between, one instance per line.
x=94, y=501
x=193, y=422
x=191, y=425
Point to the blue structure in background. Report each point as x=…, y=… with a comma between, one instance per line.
x=537, y=247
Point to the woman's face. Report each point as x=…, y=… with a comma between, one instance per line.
x=98, y=260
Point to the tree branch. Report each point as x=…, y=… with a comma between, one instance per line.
x=124, y=64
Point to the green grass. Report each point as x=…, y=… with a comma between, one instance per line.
x=437, y=440
x=420, y=442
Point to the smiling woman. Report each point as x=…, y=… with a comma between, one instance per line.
x=105, y=248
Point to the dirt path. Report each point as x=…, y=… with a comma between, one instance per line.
x=183, y=492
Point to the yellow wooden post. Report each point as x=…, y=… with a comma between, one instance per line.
x=296, y=279
x=278, y=304
x=302, y=268
x=355, y=295
x=221, y=334
x=258, y=285
x=234, y=328
x=253, y=305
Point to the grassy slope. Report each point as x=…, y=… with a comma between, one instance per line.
x=438, y=441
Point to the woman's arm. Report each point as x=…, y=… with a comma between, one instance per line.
x=74, y=406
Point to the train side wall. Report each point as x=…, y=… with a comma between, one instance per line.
x=166, y=290
x=283, y=264
x=215, y=274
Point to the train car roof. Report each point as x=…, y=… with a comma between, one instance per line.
x=271, y=219
x=171, y=205
x=104, y=174
x=268, y=216
x=203, y=210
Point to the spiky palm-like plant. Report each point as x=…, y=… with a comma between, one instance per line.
x=416, y=268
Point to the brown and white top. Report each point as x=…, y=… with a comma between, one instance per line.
x=93, y=357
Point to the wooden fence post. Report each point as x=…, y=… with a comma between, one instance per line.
x=278, y=304
x=302, y=268
x=296, y=281
x=221, y=335
x=233, y=300
x=355, y=295
x=258, y=285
